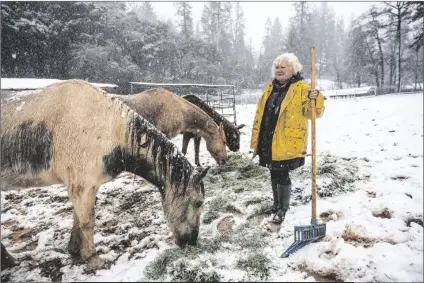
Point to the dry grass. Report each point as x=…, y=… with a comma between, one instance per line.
x=328, y=215
x=351, y=236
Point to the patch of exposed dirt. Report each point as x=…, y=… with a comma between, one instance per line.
x=21, y=234
x=133, y=199
x=13, y=197
x=226, y=224
x=352, y=237
x=9, y=223
x=413, y=155
x=60, y=199
x=399, y=177
x=330, y=215
x=25, y=235
x=371, y=194
x=417, y=220
x=385, y=214
x=65, y=210
x=51, y=269
x=320, y=278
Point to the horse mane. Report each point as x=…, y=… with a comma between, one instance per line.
x=210, y=111
x=165, y=155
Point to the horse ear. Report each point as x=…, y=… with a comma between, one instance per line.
x=240, y=126
x=200, y=175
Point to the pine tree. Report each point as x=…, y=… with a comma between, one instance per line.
x=185, y=22
x=400, y=11
x=148, y=13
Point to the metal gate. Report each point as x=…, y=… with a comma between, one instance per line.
x=220, y=97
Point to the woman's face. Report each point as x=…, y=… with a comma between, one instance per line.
x=283, y=71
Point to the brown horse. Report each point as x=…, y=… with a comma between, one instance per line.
x=232, y=132
x=75, y=134
x=174, y=115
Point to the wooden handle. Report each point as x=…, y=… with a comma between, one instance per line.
x=313, y=132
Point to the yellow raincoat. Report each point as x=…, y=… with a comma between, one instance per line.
x=290, y=138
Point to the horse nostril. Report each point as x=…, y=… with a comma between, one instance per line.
x=192, y=242
x=187, y=239
x=180, y=243
x=193, y=239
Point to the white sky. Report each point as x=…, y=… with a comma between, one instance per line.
x=256, y=14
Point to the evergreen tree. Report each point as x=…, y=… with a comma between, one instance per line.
x=185, y=22
x=148, y=13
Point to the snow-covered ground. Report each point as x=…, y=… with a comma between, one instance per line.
x=370, y=187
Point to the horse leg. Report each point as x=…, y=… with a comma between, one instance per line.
x=74, y=245
x=186, y=141
x=6, y=259
x=81, y=242
x=196, y=150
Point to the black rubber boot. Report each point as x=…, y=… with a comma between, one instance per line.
x=6, y=259
x=274, y=207
x=284, y=192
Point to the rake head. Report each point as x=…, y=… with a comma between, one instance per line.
x=304, y=235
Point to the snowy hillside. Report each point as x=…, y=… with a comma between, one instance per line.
x=370, y=194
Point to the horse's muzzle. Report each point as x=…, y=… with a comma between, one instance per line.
x=187, y=239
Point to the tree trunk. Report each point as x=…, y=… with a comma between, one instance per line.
x=399, y=46
x=392, y=70
x=381, y=60
x=377, y=79
x=416, y=67
x=358, y=79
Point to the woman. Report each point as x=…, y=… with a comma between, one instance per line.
x=280, y=128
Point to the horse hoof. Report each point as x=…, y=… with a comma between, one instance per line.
x=96, y=263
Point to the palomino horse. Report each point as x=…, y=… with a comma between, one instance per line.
x=174, y=115
x=232, y=132
x=75, y=134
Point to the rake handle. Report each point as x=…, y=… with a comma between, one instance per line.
x=313, y=137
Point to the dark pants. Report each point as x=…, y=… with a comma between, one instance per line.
x=280, y=176
x=281, y=190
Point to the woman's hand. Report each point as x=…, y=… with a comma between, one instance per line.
x=313, y=93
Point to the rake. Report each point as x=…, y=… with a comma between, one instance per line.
x=306, y=234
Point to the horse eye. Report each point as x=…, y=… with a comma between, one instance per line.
x=198, y=203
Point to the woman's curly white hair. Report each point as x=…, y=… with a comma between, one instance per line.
x=288, y=58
